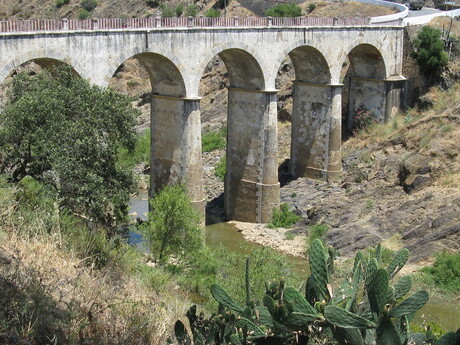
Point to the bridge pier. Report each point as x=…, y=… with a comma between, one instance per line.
x=381, y=96
x=176, y=146
x=316, y=130
x=251, y=181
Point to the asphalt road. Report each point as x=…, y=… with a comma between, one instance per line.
x=423, y=12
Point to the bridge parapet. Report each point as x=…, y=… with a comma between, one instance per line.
x=53, y=25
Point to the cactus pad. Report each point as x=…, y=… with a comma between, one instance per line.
x=343, y=318
x=403, y=286
x=398, y=262
x=223, y=298
x=411, y=304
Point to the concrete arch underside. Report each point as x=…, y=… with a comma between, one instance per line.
x=370, y=89
x=45, y=60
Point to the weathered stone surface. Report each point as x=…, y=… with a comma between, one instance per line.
x=414, y=172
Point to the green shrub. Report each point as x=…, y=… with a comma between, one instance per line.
x=212, y=12
x=445, y=272
x=284, y=10
x=221, y=168
x=179, y=10
x=83, y=14
x=216, y=140
x=173, y=227
x=89, y=5
x=283, y=218
x=192, y=10
x=167, y=11
x=224, y=267
x=60, y=3
x=311, y=8
x=429, y=52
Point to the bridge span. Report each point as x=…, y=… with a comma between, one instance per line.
x=175, y=53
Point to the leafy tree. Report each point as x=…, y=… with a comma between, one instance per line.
x=284, y=10
x=430, y=54
x=173, y=226
x=62, y=131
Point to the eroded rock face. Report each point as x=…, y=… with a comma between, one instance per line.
x=414, y=172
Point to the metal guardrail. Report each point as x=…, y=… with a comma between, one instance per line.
x=183, y=22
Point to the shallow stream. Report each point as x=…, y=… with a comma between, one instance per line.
x=225, y=234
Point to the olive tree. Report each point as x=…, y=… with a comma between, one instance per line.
x=59, y=129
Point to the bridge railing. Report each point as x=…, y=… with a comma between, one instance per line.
x=157, y=22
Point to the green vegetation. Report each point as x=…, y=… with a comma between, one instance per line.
x=173, y=227
x=311, y=8
x=316, y=231
x=283, y=218
x=141, y=154
x=445, y=272
x=221, y=168
x=167, y=11
x=60, y=282
x=289, y=236
x=59, y=129
x=89, y=5
x=284, y=10
x=83, y=14
x=192, y=10
x=215, y=140
x=221, y=266
x=212, y=12
x=364, y=309
x=430, y=54
x=60, y=3
x=179, y=9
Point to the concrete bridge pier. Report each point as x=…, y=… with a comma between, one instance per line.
x=381, y=96
x=176, y=146
x=316, y=130
x=251, y=181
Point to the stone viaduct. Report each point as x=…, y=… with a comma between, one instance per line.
x=175, y=53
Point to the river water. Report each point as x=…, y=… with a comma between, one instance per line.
x=222, y=233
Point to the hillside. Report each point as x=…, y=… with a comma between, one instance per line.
x=48, y=9
x=400, y=186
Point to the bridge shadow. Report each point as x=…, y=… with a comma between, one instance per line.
x=284, y=177
x=215, y=210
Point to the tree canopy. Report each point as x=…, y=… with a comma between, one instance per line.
x=430, y=54
x=59, y=129
x=284, y=10
x=173, y=226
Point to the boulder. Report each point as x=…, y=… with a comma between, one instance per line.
x=414, y=172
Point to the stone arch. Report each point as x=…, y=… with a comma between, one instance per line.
x=315, y=133
x=45, y=59
x=306, y=60
x=366, y=61
x=310, y=65
x=365, y=86
x=246, y=70
x=165, y=76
